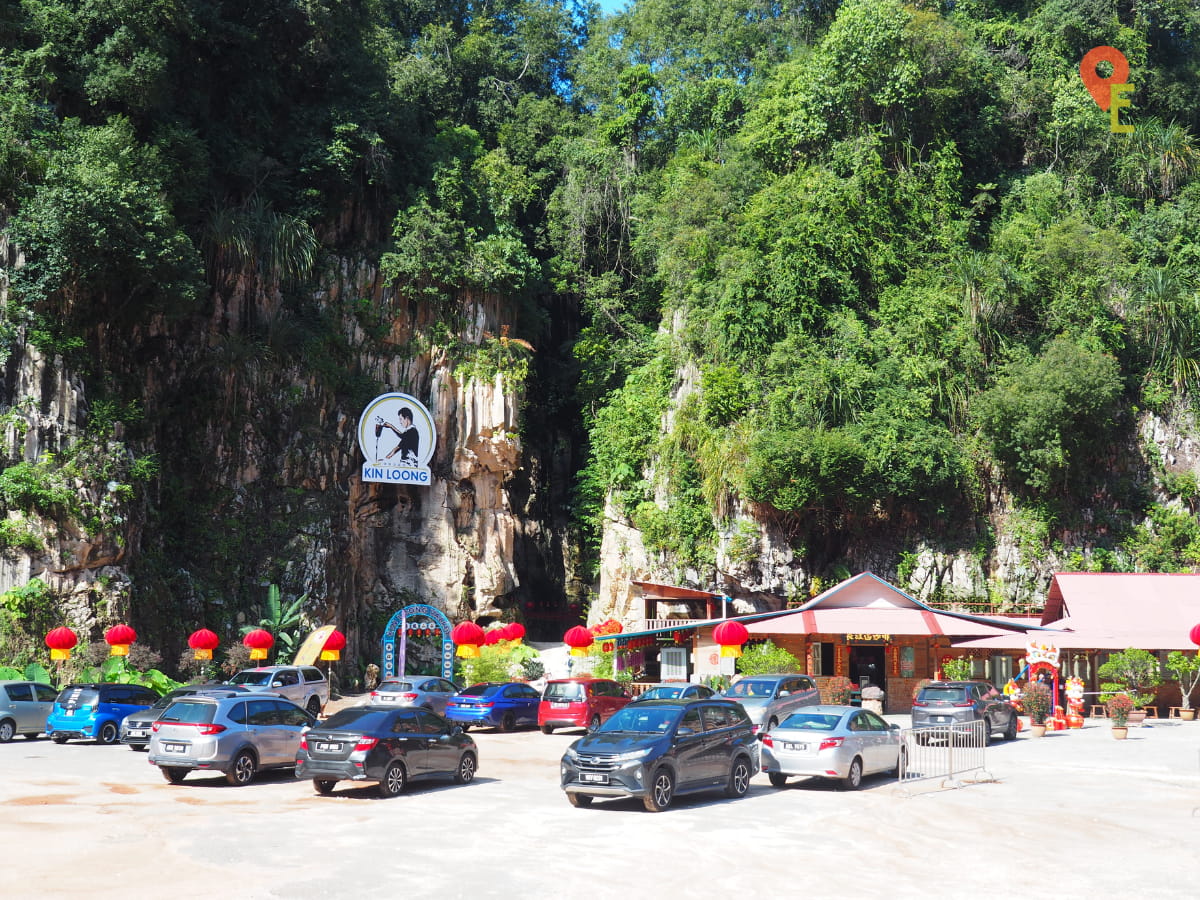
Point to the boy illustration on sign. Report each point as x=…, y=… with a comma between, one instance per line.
x=409, y=446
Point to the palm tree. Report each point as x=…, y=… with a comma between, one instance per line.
x=1161, y=160
x=1167, y=317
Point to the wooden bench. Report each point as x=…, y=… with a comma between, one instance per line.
x=1150, y=711
x=1173, y=712
x=1098, y=712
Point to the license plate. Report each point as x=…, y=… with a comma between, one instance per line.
x=174, y=748
x=941, y=718
x=559, y=705
x=329, y=748
x=593, y=778
x=137, y=732
x=794, y=746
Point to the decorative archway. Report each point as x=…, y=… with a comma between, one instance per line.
x=411, y=618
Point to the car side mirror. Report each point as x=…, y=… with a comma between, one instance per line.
x=456, y=730
x=683, y=731
x=893, y=727
x=276, y=684
x=784, y=693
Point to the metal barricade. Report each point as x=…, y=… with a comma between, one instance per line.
x=944, y=752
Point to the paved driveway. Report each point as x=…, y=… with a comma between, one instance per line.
x=1075, y=814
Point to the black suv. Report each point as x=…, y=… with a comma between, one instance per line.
x=656, y=749
x=944, y=703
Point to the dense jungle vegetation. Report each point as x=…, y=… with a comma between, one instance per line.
x=874, y=261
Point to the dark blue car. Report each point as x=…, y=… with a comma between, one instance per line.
x=503, y=705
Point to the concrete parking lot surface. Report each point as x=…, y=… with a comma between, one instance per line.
x=1074, y=814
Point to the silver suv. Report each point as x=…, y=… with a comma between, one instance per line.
x=137, y=727
x=305, y=685
x=944, y=703
x=769, y=699
x=428, y=691
x=237, y=735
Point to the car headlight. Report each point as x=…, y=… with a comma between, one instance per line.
x=571, y=755
x=633, y=755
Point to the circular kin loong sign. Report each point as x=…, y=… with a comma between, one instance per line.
x=397, y=438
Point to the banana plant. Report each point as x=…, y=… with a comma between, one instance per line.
x=284, y=622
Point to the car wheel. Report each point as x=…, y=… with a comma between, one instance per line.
x=314, y=706
x=901, y=762
x=579, y=801
x=32, y=735
x=174, y=774
x=853, y=779
x=778, y=779
x=465, y=773
x=1010, y=733
x=58, y=738
x=739, y=778
x=8, y=730
x=323, y=787
x=242, y=771
x=107, y=734
x=394, y=780
x=507, y=722
x=546, y=729
x=593, y=724
x=987, y=731
x=661, y=792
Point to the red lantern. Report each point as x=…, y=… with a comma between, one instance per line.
x=467, y=636
x=119, y=637
x=259, y=641
x=61, y=641
x=516, y=632
x=730, y=636
x=1194, y=634
x=204, y=642
x=334, y=644
x=493, y=637
x=578, y=639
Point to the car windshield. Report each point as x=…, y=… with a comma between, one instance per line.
x=189, y=711
x=563, y=690
x=360, y=719
x=480, y=690
x=749, y=687
x=391, y=687
x=662, y=693
x=811, y=721
x=641, y=720
x=78, y=697
x=943, y=693
x=251, y=677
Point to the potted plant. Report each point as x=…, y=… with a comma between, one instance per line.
x=1036, y=702
x=1186, y=670
x=840, y=690
x=1132, y=672
x=1118, y=707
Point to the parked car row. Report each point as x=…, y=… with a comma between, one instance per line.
x=673, y=739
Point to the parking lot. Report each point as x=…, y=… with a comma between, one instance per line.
x=1070, y=815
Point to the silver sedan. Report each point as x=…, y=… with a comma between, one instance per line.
x=842, y=742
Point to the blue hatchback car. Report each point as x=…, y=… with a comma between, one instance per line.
x=503, y=705
x=95, y=711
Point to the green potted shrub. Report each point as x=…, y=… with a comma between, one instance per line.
x=1132, y=672
x=840, y=690
x=1118, y=707
x=1186, y=670
x=1035, y=701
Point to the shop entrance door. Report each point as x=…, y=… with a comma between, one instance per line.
x=866, y=666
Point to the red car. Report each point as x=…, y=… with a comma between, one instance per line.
x=581, y=702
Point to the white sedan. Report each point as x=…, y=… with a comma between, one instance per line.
x=842, y=742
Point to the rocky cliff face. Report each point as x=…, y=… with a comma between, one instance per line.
x=258, y=466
